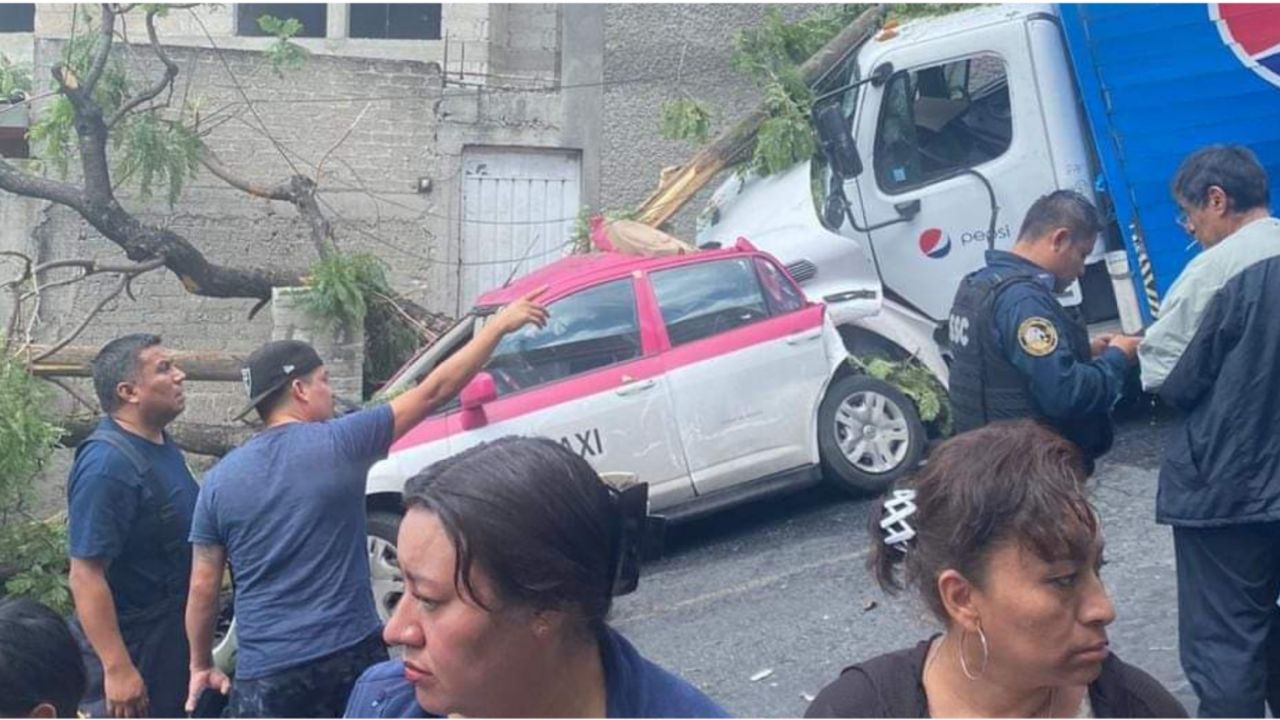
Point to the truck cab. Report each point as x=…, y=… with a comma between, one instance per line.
x=959, y=123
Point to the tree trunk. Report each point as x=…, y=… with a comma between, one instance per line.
x=735, y=144
x=198, y=438
x=73, y=361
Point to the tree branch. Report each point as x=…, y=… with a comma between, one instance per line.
x=345, y=135
x=105, y=36
x=75, y=395
x=304, y=191
x=20, y=182
x=198, y=438
x=166, y=80
x=127, y=274
x=84, y=323
x=92, y=131
x=282, y=191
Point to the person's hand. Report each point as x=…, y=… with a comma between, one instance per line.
x=1099, y=343
x=522, y=312
x=201, y=679
x=1128, y=344
x=126, y=693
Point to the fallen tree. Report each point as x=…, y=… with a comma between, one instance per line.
x=735, y=144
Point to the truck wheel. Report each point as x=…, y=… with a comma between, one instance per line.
x=384, y=572
x=869, y=434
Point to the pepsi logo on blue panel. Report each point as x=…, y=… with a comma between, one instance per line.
x=1253, y=34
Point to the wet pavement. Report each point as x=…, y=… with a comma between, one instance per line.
x=761, y=606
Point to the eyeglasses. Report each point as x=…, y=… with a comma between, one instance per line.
x=1183, y=221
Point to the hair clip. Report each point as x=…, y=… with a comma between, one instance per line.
x=894, y=524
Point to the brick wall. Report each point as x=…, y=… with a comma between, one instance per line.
x=644, y=47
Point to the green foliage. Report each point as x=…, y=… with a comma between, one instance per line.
x=685, y=119
x=27, y=435
x=156, y=153
x=53, y=135
x=33, y=557
x=15, y=78
x=283, y=54
x=350, y=288
x=771, y=55
x=338, y=287
x=35, y=562
x=916, y=382
x=786, y=136
x=760, y=53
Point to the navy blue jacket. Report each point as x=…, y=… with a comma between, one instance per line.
x=1222, y=462
x=634, y=688
x=1062, y=387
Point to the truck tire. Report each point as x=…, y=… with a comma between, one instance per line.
x=384, y=573
x=869, y=434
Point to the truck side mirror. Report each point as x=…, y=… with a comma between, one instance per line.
x=836, y=141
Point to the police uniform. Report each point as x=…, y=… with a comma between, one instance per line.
x=1018, y=353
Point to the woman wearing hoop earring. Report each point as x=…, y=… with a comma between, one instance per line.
x=999, y=539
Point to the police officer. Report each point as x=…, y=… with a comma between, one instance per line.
x=1017, y=351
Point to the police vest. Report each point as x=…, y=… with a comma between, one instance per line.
x=985, y=386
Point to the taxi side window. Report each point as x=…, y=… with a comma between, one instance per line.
x=782, y=294
x=698, y=301
x=586, y=331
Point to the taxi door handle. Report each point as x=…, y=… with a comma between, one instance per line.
x=800, y=339
x=632, y=387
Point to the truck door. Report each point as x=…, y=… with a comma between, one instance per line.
x=956, y=104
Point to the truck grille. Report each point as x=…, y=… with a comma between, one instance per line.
x=802, y=271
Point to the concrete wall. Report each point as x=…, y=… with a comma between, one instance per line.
x=402, y=125
x=465, y=30
x=643, y=68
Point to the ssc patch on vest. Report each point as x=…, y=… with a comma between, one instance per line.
x=1037, y=336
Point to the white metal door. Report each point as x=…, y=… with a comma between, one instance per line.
x=518, y=208
x=924, y=259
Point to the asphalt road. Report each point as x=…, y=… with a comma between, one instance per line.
x=762, y=606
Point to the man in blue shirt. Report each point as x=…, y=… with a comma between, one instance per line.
x=1018, y=352
x=129, y=503
x=287, y=511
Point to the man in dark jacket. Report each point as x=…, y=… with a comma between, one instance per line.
x=1018, y=352
x=1213, y=354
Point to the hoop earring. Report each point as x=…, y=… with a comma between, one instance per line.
x=986, y=654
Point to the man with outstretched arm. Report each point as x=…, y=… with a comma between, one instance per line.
x=287, y=511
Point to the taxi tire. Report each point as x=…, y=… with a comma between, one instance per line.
x=385, y=526
x=836, y=466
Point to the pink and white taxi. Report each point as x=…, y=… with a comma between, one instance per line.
x=709, y=376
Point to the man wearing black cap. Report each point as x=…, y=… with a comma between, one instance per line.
x=287, y=510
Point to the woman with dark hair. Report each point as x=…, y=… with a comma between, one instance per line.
x=512, y=552
x=998, y=537
x=41, y=672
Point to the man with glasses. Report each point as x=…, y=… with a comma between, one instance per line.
x=1018, y=352
x=1213, y=355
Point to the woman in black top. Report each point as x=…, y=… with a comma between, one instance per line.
x=1000, y=540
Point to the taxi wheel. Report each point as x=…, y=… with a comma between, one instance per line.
x=384, y=570
x=869, y=434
